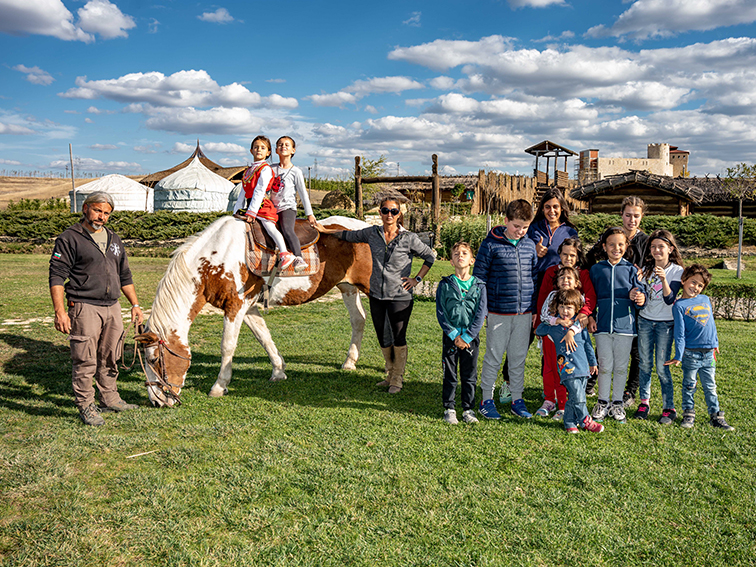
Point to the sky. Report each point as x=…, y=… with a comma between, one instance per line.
x=133, y=84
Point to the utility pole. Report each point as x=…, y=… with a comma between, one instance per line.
x=73, y=183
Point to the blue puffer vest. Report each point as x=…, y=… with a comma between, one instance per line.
x=508, y=272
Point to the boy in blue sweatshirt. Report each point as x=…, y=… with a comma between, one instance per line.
x=574, y=366
x=506, y=263
x=697, y=346
x=461, y=310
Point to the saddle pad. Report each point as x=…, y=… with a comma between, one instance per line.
x=261, y=261
x=306, y=234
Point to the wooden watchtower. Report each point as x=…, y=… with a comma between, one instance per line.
x=560, y=178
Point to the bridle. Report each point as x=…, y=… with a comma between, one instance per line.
x=162, y=381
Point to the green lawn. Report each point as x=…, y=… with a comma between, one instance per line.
x=325, y=469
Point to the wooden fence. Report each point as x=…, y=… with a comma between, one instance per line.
x=496, y=190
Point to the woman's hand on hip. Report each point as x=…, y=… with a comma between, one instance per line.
x=409, y=283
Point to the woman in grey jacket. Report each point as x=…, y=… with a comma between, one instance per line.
x=392, y=248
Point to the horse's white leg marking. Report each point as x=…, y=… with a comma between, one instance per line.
x=228, y=348
x=351, y=297
x=257, y=325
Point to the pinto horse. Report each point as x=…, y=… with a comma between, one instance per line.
x=210, y=268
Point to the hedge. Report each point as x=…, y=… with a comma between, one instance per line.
x=704, y=231
x=733, y=300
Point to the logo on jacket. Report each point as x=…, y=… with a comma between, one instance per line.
x=115, y=249
x=699, y=313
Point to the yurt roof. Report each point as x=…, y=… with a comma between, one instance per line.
x=226, y=172
x=195, y=176
x=114, y=183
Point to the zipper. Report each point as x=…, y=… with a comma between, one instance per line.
x=611, y=312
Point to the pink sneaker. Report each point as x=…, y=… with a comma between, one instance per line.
x=592, y=426
x=572, y=430
x=285, y=259
x=299, y=264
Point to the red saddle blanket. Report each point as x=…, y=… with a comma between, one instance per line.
x=261, y=261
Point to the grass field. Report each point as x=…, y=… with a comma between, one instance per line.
x=326, y=469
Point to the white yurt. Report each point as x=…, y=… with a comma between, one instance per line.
x=127, y=194
x=233, y=196
x=193, y=188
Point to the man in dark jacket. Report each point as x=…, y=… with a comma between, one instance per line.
x=93, y=260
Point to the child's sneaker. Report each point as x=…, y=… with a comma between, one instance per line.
x=718, y=421
x=590, y=392
x=450, y=416
x=488, y=410
x=668, y=416
x=617, y=411
x=641, y=412
x=285, y=259
x=572, y=430
x=689, y=418
x=558, y=415
x=628, y=399
x=600, y=410
x=546, y=409
x=592, y=426
x=505, y=396
x=518, y=408
x=299, y=264
x=468, y=416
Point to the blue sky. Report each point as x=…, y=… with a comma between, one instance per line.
x=133, y=84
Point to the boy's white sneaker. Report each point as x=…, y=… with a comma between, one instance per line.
x=450, y=417
x=468, y=416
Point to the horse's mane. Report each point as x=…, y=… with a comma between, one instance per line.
x=177, y=284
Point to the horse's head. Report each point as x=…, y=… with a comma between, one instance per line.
x=166, y=362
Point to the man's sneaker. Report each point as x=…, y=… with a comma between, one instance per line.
x=668, y=416
x=90, y=415
x=299, y=264
x=518, y=408
x=592, y=426
x=590, y=392
x=285, y=259
x=641, y=412
x=119, y=406
x=468, y=416
x=628, y=399
x=450, y=417
x=488, y=410
x=689, y=418
x=617, y=411
x=718, y=421
x=600, y=410
x=505, y=396
x=546, y=409
x=558, y=415
x=572, y=430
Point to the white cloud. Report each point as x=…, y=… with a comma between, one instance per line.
x=210, y=147
x=35, y=75
x=10, y=162
x=413, y=20
x=362, y=88
x=104, y=19
x=220, y=16
x=96, y=165
x=95, y=110
x=52, y=18
x=370, y=109
x=147, y=148
x=443, y=83
x=213, y=121
x=89, y=121
x=566, y=34
x=102, y=147
x=443, y=54
x=275, y=80
x=535, y=3
x=663, y=18
x=338, y=99
x=181, y=89
x=15, y=129
x=152, y=26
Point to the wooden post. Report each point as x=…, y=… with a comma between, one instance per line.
x=358, y=188
x=436, y=199
x=73, y=182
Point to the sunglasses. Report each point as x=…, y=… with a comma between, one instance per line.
x=386, y=210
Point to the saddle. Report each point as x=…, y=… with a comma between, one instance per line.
x=306, y=234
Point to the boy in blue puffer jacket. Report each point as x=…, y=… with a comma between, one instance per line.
x=461, y=311
x=506, y=263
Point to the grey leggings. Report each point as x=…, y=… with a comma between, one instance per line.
x=286, y=220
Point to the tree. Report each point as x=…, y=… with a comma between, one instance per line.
x=740, y=182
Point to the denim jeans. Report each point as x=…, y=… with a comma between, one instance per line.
x=701, y=363
x=575, y=411
x=656, y=336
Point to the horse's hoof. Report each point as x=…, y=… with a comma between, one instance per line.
x=217, y=392
x=278, y=377
x=349, y=365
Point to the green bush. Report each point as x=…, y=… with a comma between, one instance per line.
x=704, y=231
x=731, y=299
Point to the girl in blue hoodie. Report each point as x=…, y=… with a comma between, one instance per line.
x=618, y=295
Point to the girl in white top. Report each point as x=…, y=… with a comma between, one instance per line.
x=285, y=199
x=662, y=268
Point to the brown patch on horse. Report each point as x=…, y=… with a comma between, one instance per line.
x=217, y=287
x=174, y=365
